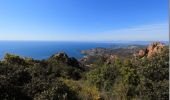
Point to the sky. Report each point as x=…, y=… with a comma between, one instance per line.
x=84, y=20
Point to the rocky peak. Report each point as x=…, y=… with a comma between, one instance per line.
x=60, y=56
x=155, y=47
x=63, y=58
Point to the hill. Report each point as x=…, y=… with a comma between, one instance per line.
x=135, y=72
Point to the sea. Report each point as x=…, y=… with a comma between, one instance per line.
x=44, y=49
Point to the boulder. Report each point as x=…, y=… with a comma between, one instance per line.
x=141, y=53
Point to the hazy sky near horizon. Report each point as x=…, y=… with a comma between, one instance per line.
x=84, y=20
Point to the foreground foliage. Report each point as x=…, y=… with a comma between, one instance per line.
x=64, y=78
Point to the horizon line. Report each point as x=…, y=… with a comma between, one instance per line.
x=86, y=41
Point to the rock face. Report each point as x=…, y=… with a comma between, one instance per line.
x=153, y=48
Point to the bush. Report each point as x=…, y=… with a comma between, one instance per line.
x=103, y=77
x=83, y=90
x=58, y=91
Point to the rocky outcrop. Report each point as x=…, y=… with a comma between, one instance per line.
x=60, y=57
x=63, y=58
x=61, y=54
x=152, y=49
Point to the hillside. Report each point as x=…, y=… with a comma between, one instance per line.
x=135, y=72
x=124, y=52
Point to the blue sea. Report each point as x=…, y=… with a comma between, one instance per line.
x=43, y=50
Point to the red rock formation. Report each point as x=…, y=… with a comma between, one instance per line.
x=153, y=48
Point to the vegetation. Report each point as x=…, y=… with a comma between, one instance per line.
x=64, y=78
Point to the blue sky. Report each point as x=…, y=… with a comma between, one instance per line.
x=84, y=20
